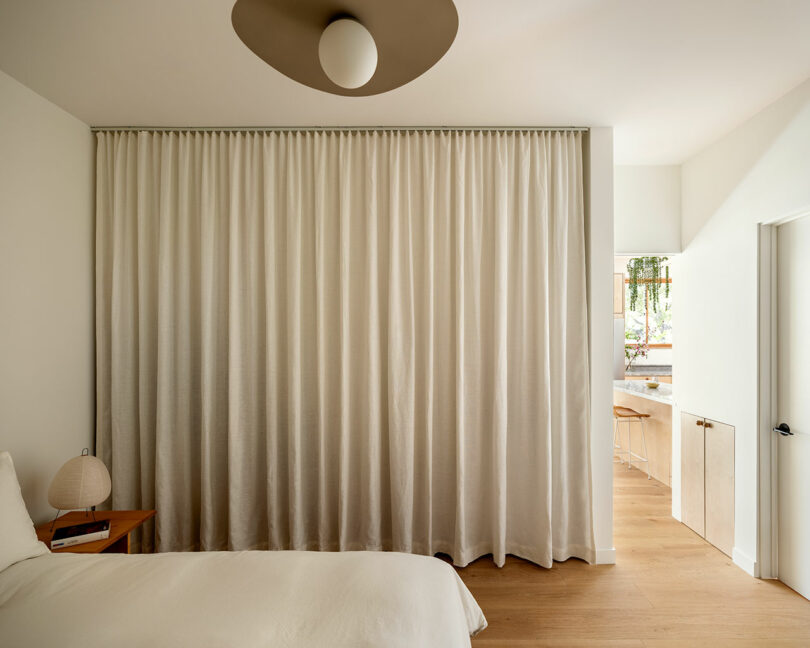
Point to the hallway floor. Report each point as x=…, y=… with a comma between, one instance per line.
x=668, y=589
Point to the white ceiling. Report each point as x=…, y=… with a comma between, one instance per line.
x=671, y=77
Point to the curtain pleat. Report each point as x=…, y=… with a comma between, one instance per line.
x=343, y=340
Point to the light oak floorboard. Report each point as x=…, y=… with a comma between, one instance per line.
x=669, y=589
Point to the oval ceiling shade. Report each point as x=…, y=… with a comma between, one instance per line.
x=347, y=53
x=411, y=36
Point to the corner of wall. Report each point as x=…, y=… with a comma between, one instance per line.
x=647, y=209
x=47, y=377
x=755, y=174
x=745, y=562
x=599, y=241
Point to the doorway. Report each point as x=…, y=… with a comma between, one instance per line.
x=785, y=403
x=642, y=380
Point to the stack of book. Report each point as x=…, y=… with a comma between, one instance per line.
x=80, y=533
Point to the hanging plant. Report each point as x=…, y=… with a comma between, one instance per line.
x=647, y=271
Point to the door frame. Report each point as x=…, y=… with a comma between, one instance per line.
x=767, y=354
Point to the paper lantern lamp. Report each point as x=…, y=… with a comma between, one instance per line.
x=82, y=482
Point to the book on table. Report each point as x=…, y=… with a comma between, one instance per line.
x=80, y=533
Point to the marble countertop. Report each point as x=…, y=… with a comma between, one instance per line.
x=662, y=394
x=649, y=370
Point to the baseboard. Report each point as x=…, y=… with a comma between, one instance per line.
x=745, y=562
x=606, y=556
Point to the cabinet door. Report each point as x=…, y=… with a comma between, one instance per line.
x=618, y=295
x=720, y=485
x=692, y=473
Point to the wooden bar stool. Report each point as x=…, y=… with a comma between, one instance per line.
x=627, y=415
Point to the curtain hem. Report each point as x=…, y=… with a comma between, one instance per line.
x=467, y=557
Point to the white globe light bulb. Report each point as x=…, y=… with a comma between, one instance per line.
x=348, y=53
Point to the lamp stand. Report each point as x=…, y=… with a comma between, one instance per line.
x=89, y=509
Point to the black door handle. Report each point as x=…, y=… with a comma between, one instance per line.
x=783, y=429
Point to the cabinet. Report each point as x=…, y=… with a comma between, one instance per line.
x=618, y=295
x=707, y=479
x=693, y=471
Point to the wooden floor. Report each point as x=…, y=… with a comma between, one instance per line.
x=669, y=588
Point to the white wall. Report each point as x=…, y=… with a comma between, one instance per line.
x=46, y=288
x=599, y=235
x=758, y=173
x=655, y=357
x=647, y=210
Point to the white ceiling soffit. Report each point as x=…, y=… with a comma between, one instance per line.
x=670, y=76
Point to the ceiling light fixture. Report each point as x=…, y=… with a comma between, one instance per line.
x=369, y=47
x=348, y=53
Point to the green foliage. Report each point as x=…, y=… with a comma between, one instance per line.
x=647, y=271
x=635, y=350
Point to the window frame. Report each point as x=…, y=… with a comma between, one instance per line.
x=647, y=313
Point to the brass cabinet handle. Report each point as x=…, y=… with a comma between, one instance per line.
x=707, y=424
x=700, y=423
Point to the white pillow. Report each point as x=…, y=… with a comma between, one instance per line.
x=18, y=540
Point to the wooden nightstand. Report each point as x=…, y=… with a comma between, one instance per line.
x=122, y=524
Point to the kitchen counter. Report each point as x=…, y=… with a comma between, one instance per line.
x=649, y=370
x=662, y=394
x=657, y=404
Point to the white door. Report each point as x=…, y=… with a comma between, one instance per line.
x=793, y=403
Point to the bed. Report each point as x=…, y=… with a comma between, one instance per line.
x=241, y=599
x=245, y=599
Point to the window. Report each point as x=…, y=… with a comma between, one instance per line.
x=654, y=328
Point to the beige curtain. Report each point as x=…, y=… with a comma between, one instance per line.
x=346, y=340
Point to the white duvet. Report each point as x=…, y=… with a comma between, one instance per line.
x=247, y=599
